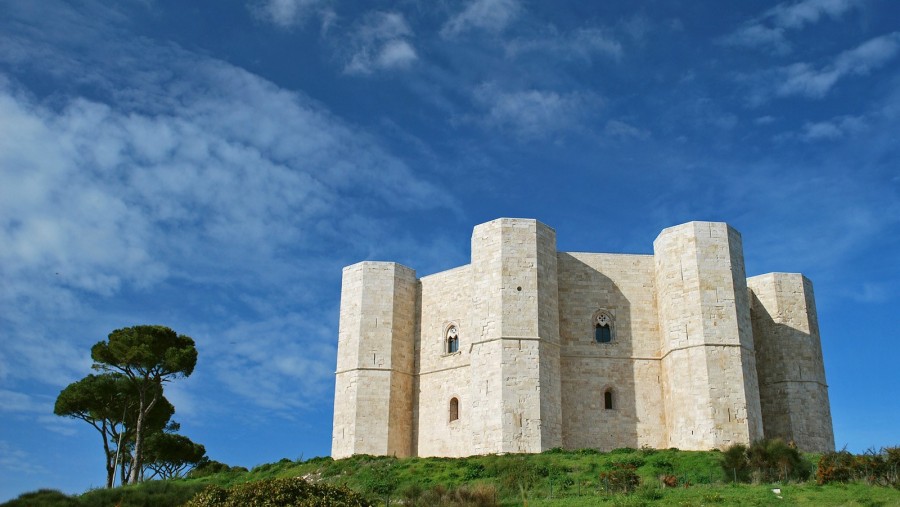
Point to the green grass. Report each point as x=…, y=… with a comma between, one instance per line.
x=553, y=478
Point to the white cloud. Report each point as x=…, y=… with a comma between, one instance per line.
x=287, y=13
x=581, y=44
x=622, y=130
x=264, y=362
x=833, y=129
x=871, y=293
x=216, y=179
x=380, y=43
x=805, y=80
x=821, y=131
x=13, y=401
x=807, y=12
x=755, y=35
x=17, y=461
x=770, y=30
x=534, y=113
x=487, y=15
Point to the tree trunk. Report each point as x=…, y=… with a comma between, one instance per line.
x=137, y=460
x=110, y=460
x=138, y=436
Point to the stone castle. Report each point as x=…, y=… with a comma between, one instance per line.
x=527, y=349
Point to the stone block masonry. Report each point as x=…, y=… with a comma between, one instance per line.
x=527, y=348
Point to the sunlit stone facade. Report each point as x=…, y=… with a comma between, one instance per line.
x=527, y=348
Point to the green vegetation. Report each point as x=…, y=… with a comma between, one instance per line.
x=623, y=477
x=126, y=405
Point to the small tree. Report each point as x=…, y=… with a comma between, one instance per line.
x=168, y=455
x=98, y=400
x=147, y=356
x=108, y=402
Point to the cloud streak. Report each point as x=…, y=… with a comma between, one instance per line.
x=530, y=114
x=583, y=44
x=491, y=16
x=217, y=179
x=381, y=43
x=771, y=29
x=805, y=80
x=289, y=13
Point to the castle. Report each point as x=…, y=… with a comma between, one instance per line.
x=527, y=349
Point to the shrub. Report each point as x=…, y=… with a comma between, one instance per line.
x=474, y=471
x=834, y=467
x=287, y=492
x=622, y=478
x=874, y=467
x=736, y=464
x=149, y=493
x=211, y=467
x=766, y=460
x=479, y=495
x=43, y=498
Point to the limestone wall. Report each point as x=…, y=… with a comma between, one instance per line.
x=708, y=361
x=687, y=366
x=515, y=366
x=374, y=380
x=623, y=286
x=793, y=391
x=446, y=299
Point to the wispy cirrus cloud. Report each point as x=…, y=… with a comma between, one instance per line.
x=381, y=42
x=770, y=29
x=179, y=170
x=491, y=16
x=289, y=13
x=14, y=459
x=583, y=44
x=805, y=80
x=835, y=128
x=529, y=114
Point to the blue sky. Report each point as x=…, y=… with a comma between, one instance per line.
x=212, y=165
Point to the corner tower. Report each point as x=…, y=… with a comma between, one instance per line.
x=515, y=351
x=709, y=376
x=792, y=388
x=373, y=401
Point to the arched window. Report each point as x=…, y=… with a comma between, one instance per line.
x=454, y=409
x=603, y=327
x=609, y=400
x=452, y=339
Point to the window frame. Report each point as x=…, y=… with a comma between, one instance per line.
x=450, y=340
x=603, y=318
x=453, y=409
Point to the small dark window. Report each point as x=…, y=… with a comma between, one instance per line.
x=452, y=339
x=454, y=409
x=608, y=400
x=602, y=334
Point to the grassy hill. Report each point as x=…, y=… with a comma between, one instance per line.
x=554, y=478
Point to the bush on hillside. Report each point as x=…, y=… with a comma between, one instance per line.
x=623, y=478
x=210, y=467
x=286, y=492
x=873, y=467
x=766, y=460
x=43, y=498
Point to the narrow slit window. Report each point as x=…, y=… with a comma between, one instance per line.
x=608, y=400
x=454, y=409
